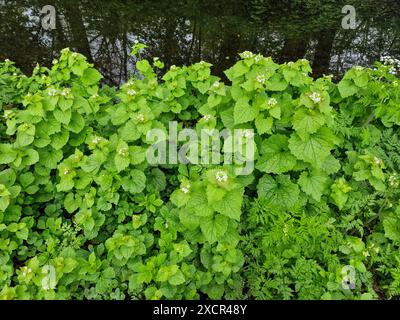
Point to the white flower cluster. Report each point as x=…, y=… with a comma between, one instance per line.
x=207, y=117
x=185, y=188
x=52, y=92
x=65, y=92
x=216, y=84
x=260, y=79
x=131, y=92
x=96, y=140
x=258, y=58
x=247, y=54
x=315, y=97
x=26, y=271
x=393, y=62
x=272, y=102
x=123, y=151
x=140, y=117
x=65, y=172
x=221, y=176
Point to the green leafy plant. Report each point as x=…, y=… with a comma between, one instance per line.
x=78, y=196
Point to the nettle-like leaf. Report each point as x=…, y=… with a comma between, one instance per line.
x=306, y=122
x=275, y=155
x=316, y=148
x=280, y=193
x=230, y=204
x=214, y=227
x=135, y=182
x=243, y=112
x=313, y=184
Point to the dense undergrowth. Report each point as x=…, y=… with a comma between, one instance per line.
x=83, y=215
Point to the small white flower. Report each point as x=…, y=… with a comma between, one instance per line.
x=131, y=92
x=216, y=84
x=15, y=74
x=221, y=176
x=26, y=271
x=207, y=117
x=136, y=41
x=55, y=61
x=173, y=67
x=65, y=172
x=65, y=92
x=123, y=151
x=7, y=61
x=315, y=97
x=247, y=54
x=260, y=79
x=95, y=96
x=52, y=92
x=290, y=63
x=272, y=102
x=185, y=188
x=96, y=140
x=140, y=117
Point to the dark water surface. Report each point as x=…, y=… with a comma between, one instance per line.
x=184, y=32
